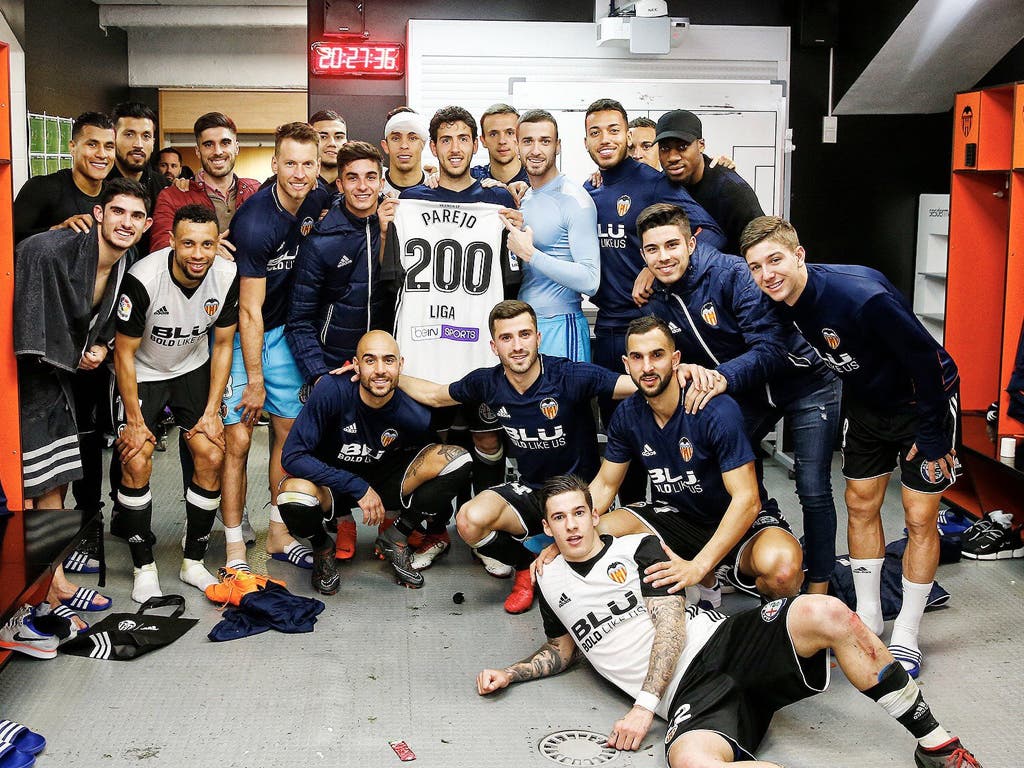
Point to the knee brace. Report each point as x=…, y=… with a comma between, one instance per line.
x=301, y=512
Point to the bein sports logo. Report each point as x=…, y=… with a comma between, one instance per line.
x=449, y=332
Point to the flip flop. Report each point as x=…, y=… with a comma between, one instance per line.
x=21, y=737
x=910, y=658
x=67, y=613
x=85, y=599
x=81, y=562
x=12, y=757
x=300, y=555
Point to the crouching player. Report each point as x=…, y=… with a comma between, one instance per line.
x=169, y=303
x=365, y=443
x=718, y=681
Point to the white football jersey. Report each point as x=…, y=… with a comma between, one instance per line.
x=174, y=325
x=452, y=274
x=605, y=614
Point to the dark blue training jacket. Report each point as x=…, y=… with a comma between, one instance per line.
x=865, y=330
x=625, y=191
x=720, y=319
x=333, y=299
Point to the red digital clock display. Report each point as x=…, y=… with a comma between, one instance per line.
x=357, y=59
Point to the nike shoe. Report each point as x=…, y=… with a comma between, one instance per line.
x=434, y=546
x=400, y=558
x=345, y=546
x=722, y=573
x=235, y=584
x=998, y=541
x=20, y=634
x=495, y=568
x=325, y=577
x=521, y=598
x=952, y=754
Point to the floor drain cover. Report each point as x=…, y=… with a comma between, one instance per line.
x=578, y=748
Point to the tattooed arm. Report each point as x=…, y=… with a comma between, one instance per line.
x=556, y=655
x=669, y=616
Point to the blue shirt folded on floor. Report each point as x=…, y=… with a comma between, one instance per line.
x=272, y=607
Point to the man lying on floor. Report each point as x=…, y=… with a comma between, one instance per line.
x=717, y=680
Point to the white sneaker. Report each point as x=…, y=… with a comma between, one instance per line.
x=495, y=568
x=147, y=583
x=432, y=548
x=193, y=572
x=248, y=533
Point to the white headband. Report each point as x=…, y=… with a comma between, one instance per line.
x=408, y=122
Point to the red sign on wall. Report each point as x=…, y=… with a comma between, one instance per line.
x=362, y=59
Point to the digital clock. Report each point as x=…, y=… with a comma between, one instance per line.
x=357, y=59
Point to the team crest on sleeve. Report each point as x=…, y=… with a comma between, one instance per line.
x=685, y=448
x=124, y=308
x=622, y=205
x=549, y=407
x=831, y=338
x=709, y=314
x=617, y=572
x=307, y=226
x=388, y=437
x=211, y=306
x=770, y=611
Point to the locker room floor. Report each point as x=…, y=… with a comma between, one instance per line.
x=387, y=663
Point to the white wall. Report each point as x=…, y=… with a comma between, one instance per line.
x=228, y=58
x=18, y=108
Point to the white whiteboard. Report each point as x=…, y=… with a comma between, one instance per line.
x=744, y=120
x=734, y=78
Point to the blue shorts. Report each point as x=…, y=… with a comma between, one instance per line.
x=565, y=336
x=281, y=378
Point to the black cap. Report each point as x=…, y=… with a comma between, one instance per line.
x=678, y=124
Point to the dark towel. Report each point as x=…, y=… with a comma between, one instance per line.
x=54, y=279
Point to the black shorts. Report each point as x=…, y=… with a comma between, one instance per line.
x=875, y=442
x=49, y=432
x=686, y=537
x=745, y=673
x=185, y=394
x=475, y=417
x=386, y=479
x=526, y=503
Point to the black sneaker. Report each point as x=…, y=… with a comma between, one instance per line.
x=952, y=754
x=999, y=540
x=400, y=558
x=325, y=577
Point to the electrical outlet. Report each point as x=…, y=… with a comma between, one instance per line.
x=829, y=126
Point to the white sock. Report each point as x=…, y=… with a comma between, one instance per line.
x=907, y=624
x=233, y=535
x=711, y=595
x=194, y=572
x=147, y=583
x=867, y=584
x=237, y=564
x=290, y=547
x=275, y=515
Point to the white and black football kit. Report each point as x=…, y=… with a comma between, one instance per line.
x=733, y=673
x=452, y=267
x=174, y=322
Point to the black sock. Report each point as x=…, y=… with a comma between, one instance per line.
x=898, y=694
x=136, y=510
x=200, y=511
x=505, y=549
x=304, y=517
x=409, y=520
x=488, y=471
